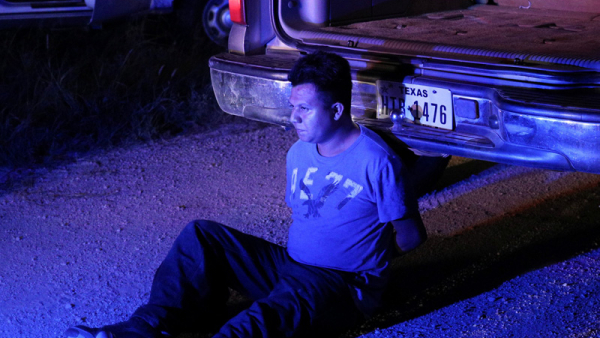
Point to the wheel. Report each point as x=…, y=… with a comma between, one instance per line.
x=216, y=21
x=211, y=16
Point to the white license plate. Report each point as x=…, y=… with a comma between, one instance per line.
x=425, y=105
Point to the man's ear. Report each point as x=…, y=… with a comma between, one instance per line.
x=338, y=110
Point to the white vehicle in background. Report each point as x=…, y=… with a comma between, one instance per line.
x=508, y=81
x=214, y=14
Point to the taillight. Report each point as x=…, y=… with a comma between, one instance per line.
x=237, y=11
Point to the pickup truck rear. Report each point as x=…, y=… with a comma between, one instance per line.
x=510, y=81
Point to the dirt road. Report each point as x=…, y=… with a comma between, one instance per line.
x=513, y=251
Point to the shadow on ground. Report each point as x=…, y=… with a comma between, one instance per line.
x=448, y=269
x=462, y=171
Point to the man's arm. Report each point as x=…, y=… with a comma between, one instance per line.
x=410, y=233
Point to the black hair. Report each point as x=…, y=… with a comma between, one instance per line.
x=329, y=73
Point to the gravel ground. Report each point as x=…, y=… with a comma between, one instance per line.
x=513, y=251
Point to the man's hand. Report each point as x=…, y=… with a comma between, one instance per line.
x=410, y=233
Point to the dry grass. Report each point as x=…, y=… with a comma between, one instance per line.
x=71, y=91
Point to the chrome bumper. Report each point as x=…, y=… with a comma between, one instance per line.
x=491, y=124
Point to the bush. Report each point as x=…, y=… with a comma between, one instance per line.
x=70, y=91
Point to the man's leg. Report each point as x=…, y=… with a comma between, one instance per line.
x=190, y=287
x=307, y=301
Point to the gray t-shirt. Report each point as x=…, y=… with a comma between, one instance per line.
x=341, y=207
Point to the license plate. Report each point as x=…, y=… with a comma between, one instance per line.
x=424, y=105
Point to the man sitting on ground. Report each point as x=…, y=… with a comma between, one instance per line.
x=352, y=208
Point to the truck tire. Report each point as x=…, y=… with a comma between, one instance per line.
x=210, y=15
x=216, y=21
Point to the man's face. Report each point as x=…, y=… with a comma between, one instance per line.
x=312, y=118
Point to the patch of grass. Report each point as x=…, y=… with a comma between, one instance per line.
x=65, y=92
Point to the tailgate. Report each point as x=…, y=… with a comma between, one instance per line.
x=499, y=33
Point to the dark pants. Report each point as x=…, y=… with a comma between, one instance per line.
x=190, y=288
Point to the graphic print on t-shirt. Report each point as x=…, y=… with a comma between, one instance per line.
x=332, y=182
